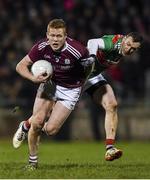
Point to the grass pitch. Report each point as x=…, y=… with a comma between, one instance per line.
x=74, y=160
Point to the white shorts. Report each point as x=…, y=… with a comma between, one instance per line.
x=67, y=96
x=92, y=81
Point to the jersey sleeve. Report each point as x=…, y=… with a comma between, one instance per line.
x=35, y=53
x=108, y=42
x=84, y=53
x=94, y=44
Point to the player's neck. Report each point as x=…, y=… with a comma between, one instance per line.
x=62, y=48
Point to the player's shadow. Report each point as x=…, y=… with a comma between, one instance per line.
x=21, y=165
x=68, y=166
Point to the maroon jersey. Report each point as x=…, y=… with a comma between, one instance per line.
x=68, y=71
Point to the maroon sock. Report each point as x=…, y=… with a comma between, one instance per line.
x=109, y=143
x=26, y=126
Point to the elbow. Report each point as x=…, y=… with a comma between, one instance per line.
x=17, y=68
x=89, y=43
x=92, y=46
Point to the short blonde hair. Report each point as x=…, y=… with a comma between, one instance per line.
x=57, y=23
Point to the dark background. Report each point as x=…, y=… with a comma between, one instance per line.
x=22, y=23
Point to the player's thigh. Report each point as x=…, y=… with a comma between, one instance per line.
x=42, y=101
x=42, y=105
x=41, y=110
x=104, y=95
x=59, y=114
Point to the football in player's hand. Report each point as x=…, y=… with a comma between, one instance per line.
x=42, y=67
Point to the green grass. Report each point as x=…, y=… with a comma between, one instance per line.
x=76, y=160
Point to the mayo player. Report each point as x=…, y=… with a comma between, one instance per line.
x=109, y=49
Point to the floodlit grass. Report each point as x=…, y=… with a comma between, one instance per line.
x=76, y=160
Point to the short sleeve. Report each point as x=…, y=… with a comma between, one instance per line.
x=108, y=45
x=85, y=53
x=35, y=53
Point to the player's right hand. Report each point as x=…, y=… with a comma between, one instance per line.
x=41, y=78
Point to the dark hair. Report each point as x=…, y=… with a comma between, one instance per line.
x=136, y=37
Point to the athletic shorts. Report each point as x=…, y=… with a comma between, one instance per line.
x=67, y=96
x=94, y=83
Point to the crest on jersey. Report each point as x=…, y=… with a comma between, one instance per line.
x=117, y=45
x=67, y=61
x=57, y=59
x=47, y=56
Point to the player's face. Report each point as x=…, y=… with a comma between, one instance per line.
x=56, y=38
x=129, y=46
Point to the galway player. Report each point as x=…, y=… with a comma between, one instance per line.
x=58, y=95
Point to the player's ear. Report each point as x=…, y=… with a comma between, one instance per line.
x=125, y=37
x=65, y=35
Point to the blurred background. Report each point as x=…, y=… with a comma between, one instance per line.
x=22, y=23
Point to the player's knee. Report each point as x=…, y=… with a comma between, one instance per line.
x=39, y=119
x=37, y=123
x=36, y=126
x=111, y=106
x=51, y=130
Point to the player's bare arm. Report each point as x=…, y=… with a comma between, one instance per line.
x=23, y=69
